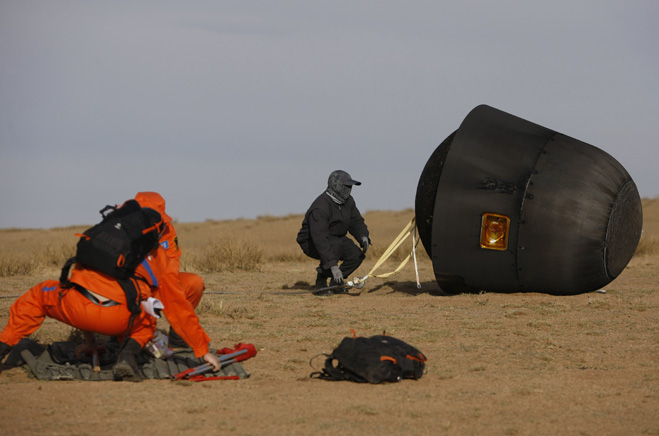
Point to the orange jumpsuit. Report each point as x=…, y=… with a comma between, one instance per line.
x=192, y=284
x=71, y=307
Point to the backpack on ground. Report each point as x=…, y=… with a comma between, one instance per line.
x=117, y=245
x=376, y=359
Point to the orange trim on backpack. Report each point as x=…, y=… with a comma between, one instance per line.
x=421, y=358
x=155, y=227
x=82, y=235
x=383, y=358
x=354, y=333
x=121, y=261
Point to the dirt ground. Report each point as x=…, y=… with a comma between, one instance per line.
x=499, y=364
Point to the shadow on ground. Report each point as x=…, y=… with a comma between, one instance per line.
x=410, y=288
x=407, y=287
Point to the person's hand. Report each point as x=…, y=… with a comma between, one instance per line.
x=337, y=275
x=213, y=360
x=364, y=244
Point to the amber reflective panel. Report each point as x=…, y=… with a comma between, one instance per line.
x=494, y=231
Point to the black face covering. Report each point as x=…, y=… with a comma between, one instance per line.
x=337, y=190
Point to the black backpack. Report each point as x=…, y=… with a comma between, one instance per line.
x=376, y=359
x=117, y=245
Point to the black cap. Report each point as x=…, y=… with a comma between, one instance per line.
x=343, y=178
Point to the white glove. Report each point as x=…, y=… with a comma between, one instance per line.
x=152, y=306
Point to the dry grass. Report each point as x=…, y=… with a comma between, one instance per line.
x=25, y=263
x=18, y=264
x=226, y=255
x=647, y=246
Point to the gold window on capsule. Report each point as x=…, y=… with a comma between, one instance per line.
x=494, y=231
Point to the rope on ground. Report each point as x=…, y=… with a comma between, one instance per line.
x=409, y=229
x=416, y=266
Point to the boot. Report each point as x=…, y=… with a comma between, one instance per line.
x=4, y=350
x=126, y=367
x=321, y=281
x=174, y=340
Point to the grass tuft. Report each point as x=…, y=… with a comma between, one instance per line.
x=227, y=255
x=18, y=264
x=31, y=261
x=647, y=246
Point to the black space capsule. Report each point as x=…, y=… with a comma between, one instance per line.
x=506, y=205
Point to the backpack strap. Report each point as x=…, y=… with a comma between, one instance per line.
x=105, y=209
x=335, y=373
x=133, y=298
x=64, y=276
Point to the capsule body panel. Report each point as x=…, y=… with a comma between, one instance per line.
x=574, y=212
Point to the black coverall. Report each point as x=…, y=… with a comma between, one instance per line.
x=323, y=234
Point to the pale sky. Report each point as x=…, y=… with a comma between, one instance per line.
x=235, y=109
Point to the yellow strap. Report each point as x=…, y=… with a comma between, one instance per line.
x=407, y=231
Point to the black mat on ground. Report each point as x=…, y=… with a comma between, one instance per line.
x=57, y=361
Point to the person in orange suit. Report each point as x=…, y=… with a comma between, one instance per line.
x=96, y=303
x=192, y=284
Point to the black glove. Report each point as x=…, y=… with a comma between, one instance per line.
x=337, y=275
x=364, y=244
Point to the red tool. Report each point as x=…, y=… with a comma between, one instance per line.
x=241, y=352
